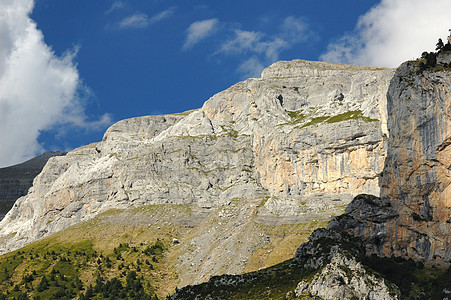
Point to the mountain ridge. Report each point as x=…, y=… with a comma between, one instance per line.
x=250, y=125
x=259, y=157
x=16, y=180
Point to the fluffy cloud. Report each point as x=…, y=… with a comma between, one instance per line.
x=199, y=30
x=38, y=90
x=255, y=49
x=140, y=20
x=393, y=31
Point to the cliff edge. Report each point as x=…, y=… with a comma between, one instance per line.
x=292, y=147
x=412, y=218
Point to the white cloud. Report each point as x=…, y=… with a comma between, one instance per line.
x=162, y=15
x=38, y=90
x=198, y=31
x=138, y=20
x=392, y=32
x=294, y=30
x=116, y=5
x=242, y=42
x=260, y=50
x=254, y=42
x=141, y=20
x=251, y=68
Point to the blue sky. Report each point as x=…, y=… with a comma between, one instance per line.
x=71, y=68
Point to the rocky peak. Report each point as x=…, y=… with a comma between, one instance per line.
x=293, y=146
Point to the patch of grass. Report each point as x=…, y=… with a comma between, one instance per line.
x=263, y=201
x=113, y=244
x=350, y=115
x=52, y=270
x=229, y=131
x=299, y=117
x=283, y=241
x=185, y=113
x=210, y=137
x=314, y=121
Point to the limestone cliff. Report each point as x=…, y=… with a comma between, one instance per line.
x=413, y=217
x=417, y=172
x=292, y=146
x=16, y=180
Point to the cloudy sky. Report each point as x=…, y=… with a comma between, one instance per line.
x=70, y=68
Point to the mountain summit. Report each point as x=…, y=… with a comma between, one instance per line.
x=235, y=181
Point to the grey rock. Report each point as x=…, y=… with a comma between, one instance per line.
x=16, y=180
x=345, y=278
x=306, y=136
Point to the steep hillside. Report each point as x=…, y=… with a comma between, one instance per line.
x=396, y=246
x=16, y=180
x=263, y=162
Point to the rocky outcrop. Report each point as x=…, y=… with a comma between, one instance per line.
x=338, y=272
x=417, y=172
x=303, y=151
x=345, y=278
x=329, y=266
x=16, y=180
x=412, y=219
x=298, y=143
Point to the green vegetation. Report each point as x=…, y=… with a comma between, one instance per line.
x=229, y=131
x=428, y=60
x=109, y=246
x=47, y=270
x=185, y=113
x=299, y=117
x=414, y=280
x=271, y=283
x=314, y=121
x=350, y=115
x=296, y=117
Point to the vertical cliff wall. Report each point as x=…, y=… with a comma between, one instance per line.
x=417, y=173
x=412, y=218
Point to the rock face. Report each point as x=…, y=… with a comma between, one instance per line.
x=417, y=172
x=410, y=219
x=301, y=141
x=340, y=274
x=16, y=180
x=345, y=278
x=413, y=217
x=331, y=265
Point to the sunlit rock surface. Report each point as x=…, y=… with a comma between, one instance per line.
x=294, y=146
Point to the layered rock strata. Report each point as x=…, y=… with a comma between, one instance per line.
x=412, y=219
x=300, y=141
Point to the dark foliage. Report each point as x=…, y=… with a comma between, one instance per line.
x=114, y=289
x=413, y=279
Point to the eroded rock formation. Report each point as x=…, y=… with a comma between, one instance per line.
x=412, y=219
x=300, y=142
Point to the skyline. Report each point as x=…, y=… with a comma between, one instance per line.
x=68, y=70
